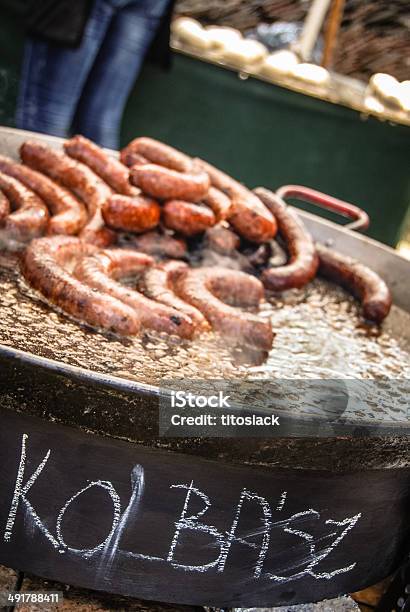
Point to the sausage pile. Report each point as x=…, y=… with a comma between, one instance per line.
x=89, y=223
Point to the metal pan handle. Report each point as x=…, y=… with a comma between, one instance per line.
x=350, y=211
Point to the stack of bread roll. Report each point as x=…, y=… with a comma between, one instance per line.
x=222, y=44
x=388, y=92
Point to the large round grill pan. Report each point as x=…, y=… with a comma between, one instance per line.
x=91, y=495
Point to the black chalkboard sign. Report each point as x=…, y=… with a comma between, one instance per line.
x=123, y=518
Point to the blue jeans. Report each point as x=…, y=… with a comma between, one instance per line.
x=87, y=87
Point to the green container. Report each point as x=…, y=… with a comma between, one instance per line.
x=261, y=133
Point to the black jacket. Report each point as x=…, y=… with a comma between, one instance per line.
x=63, y=22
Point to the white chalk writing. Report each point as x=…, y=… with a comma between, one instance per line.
x=251, y=524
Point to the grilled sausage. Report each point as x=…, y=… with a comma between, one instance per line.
x=137, y=214
x=250, y=218
x=30, y=217
x=69, y=214
x=112, y=171
x=130, y=159
x=222, y=239
x=186, y=217
x=44, y=265
x=100, y=272
x=4, y=208
x=219, y=203
x=80, y=179
x=204, y=288
x=158, y=283
x=160, y=245
x=357, y=278
x=166, y=184
x=156, y=152
x=236, y=288
x=303, y=262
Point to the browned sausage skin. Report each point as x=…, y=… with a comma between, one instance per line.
x=222, y=239
x=156, y=152
x=160, y=245
x=303, y=261
x=159, y=285
x=112, y=171
x=100, y=272
x=69, y=214
x=166, y=184
x=250, y=218
x=44, y=265
x=357, y=278
x=130, y=159
x=219, y=203
x=77, y=177
x=30, y=217
x=137, y=214
x=186, y=217
x=4, y=208
x=201, y=286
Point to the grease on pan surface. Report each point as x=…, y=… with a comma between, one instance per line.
x=319, y=335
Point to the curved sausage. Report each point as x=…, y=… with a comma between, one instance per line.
x=100, y=272
x=250, y=218
x=137, y=214
x=157, y=152
x=112, y=171
x=166, y=184
x=203, y=288
x=159, y=284
x=4, y=208
x=186, y=217
x=219, y=203
x=130, y=159
x=160, y=245
x=222, y=239
x=77, y=177
x=69, y=214
x=357, y=278
x=303, y=262
x=44, y=267
x=236, y=288
x=30, y=217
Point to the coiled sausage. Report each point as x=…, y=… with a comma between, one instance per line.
x=222, y=239
x=4, y=208
x=130, y=159
x=154, y=243
x=100, y=271
x=219, y=203
x=166, y=184
x=360, y=280
x=112, y=171
x=157, y=152
x=204, y=288
x=137, y=214
x=186, y=217
x=44, y=265
x=80, y=179
x=69, y=214
x=250, y=218
x=159, y=282
x=303, y=262
x=30, y=217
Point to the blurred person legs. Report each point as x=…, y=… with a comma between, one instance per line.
x=88, y=85
x=115, y=70
x=53, y=76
